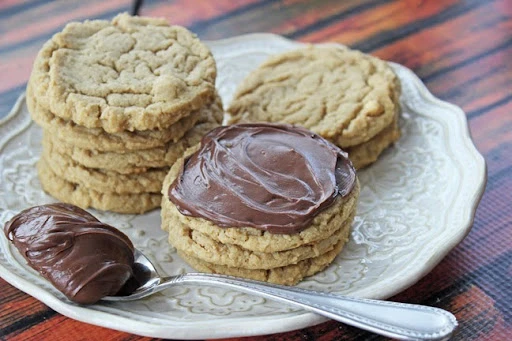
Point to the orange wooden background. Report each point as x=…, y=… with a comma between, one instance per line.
x=462, y=50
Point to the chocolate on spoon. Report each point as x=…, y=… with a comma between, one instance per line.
x=90, y=261
x=82, y=257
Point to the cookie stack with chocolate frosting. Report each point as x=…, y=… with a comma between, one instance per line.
x=348, y=97
x=262, y=201
x=119, y=102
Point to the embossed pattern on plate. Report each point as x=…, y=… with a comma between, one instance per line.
x=417, y=202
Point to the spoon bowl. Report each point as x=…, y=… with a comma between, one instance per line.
x=397, y=320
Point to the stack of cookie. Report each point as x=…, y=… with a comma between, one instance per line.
x=268, y=202
x=119, y=102
x=347, y=97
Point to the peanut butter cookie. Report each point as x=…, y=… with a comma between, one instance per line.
x=105, y=181
x=131, y=73
x=257, y=240
x=83, y=197
x=368, y=152
x=98, y=139
x=285, y=275
x=265, y=201
x=345, y=96
x=139, y=161
x=192, y=242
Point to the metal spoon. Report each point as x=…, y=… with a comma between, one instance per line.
x=397, y=320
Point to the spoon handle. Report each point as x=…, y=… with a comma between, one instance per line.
x=397, y=320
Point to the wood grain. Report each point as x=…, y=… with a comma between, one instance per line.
x=462, y=50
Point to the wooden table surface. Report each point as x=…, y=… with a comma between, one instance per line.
x=462, y=50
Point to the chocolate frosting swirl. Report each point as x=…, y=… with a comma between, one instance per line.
x=271, y=177
x=82, y=257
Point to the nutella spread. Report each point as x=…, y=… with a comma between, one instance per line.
x=271, y=177
x=82, y=257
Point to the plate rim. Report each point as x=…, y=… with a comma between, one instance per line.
x=289, y=322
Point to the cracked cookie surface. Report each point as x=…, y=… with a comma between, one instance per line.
x=132, y=73
x=343, y=95
x=125, y=141
x=140, y=161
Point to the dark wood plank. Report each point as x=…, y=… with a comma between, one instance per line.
x=370, y=22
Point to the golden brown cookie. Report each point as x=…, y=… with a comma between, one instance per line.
x=368, y=152
x=105, y=181
x=78, y=195
x=286, y=275
x=270, y=202
x=343, y=95
x=131, y=73
x=252, y=239
x=99, y=140
x=194, y=243
x=141, y=160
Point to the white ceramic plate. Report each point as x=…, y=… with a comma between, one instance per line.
x=417, y=202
